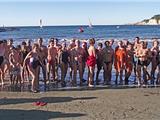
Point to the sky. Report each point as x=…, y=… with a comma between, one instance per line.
x=76, y=12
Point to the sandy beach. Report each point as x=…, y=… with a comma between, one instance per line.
x=95, y=104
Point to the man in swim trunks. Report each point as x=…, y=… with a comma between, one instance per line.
x=120, y=61
x=51, y=58
x=136, y=47
x=58, y=47
x=107, y=59
x=99, y=61
x=15, y=60
x=9, y=45
x=70, y=47
x=76, y=62
x=142, y=55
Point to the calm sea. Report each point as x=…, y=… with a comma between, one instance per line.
x=68, y=32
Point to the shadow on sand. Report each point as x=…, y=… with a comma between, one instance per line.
x=6, y=101
x=14, y=114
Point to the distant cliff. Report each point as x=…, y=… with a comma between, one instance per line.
x=155, y=20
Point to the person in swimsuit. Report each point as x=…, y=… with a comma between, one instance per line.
x=120, y=61
x=51, y=59
x=2, y=54
x=84, y=58
x=15, y=60
x=91, y=61
x=136, y=47
x=44, y=51
x=64, y=62
x=154, y=52
x=24, y=52
x=70, y=47
x=129, y=62
x=107, y=60
x=99, y=61
x=76, y=63
x=33, y=61
x=158, y=65
x=8, y=46
x=142, y=55
x=58, y=47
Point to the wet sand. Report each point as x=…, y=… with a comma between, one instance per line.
x=123, y=103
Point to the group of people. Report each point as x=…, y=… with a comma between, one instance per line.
x=27, y=60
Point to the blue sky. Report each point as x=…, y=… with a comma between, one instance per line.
x=69, y=12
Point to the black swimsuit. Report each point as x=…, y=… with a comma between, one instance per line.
x=1, y=60
x=143, y=63
x=65, y=56
x=24, y=54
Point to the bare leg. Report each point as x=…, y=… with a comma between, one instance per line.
x=91, y=76
x=139, y=75
x=80, y=73
x=105, y=73
x=121, y=74
x=48, y=71
x=53, y=72
x=117, y=74
x=109, y=73
x=74, y=82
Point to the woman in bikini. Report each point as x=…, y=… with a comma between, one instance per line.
x=107, y=59
x=120, y=61
x=33, y=62
x=91, y=61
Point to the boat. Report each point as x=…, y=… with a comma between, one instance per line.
x=81, y=30
x=6, y=29
x=3, y=30
x=90, y=24
x=41, y=26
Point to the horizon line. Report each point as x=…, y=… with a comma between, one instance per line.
x=60, y=25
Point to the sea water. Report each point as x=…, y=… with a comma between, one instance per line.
x=100, y=32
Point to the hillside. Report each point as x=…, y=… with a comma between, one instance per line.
x=155, y=20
